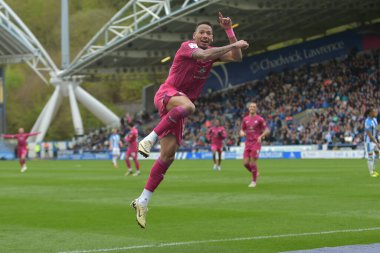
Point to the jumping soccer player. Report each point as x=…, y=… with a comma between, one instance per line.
x=254, y=129
x=174, y=100
x=216, y=134
x=131, y=139
x=22, y=145
x=370, y=140
x=114, y=147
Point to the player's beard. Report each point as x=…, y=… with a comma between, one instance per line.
x=203, y=45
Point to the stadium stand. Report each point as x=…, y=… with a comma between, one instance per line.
x=335, y=94
x=316, y=104
x=7, y=151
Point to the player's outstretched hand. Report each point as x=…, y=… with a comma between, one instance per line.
x=224, y=22
x=241, y=44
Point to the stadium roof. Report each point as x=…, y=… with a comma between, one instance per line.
x=144, y=32
x=133, y=47
x=18, y=44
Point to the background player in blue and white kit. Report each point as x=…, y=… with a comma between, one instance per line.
x=370, y=140
x=115, y=144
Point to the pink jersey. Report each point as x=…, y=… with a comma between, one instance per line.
x=21, y=139
x=216, y=135
x=253, y=126
x=188, y=75
x=131, y=138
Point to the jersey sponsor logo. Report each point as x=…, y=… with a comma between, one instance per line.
x=193, y=45
x=200, y=77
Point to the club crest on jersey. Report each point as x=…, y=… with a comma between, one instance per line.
x=202, y=70
x=193, y=45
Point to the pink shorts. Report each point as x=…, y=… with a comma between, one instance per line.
x=252, y=151
x=216, y=148
x=22, y=152
x=161, y=99
x=131, y=152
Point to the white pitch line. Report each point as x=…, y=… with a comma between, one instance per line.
x=170, y=244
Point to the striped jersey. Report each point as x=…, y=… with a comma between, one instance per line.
x=115, y=140
x=370, y=125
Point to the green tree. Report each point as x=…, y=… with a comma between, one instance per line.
x=27, y=95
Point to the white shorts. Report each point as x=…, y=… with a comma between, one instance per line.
x=116, y=151
x=371, y=147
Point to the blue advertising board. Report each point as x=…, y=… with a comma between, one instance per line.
x=258, y=66
x=5, y=155
x=2, y=102
x=182, y=155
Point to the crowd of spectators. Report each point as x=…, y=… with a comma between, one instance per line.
x=98, y=139
x=315, y=104
x=335, y=94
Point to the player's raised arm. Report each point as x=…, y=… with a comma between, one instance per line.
x=217, y=52
x=32, y=134
x=8, y=136
x=235, y=54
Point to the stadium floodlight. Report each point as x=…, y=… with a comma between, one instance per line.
x=165, y=59
x=235, y=25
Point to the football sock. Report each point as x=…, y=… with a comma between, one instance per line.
x=254, y=172
x=137, y=164
x=248, y=167
x=170, y=119
x=145, y=197
x=156, y=174
x=375, y=159
x=370, y=162
x=128, y=163
x=152, y=137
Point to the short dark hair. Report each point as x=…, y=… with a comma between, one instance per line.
x=368, y=111
x=203, y=23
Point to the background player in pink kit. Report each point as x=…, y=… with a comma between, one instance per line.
x=216, y=134
x=131, y=139
x=174, y=100
x=254, y=129
x=22, y=146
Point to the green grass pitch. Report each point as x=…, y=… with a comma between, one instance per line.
x=83, y=206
